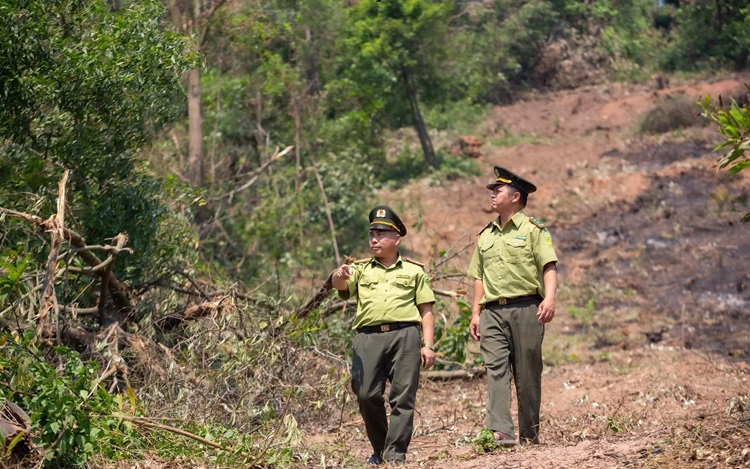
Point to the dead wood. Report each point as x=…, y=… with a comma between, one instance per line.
x=449, y=293
x=76, y=311
x=331, y=225
x=54, y=226
x=98, y=267
x=194, y=312
x=119, y=294
x=159, y=426
x=321, y=295
x=455, y=374
x=15, y=425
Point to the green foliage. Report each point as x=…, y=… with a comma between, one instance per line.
x=385, y=45
x=585, y=314
x=451, y=340
x=84, y=88
x=621, y=424
x=72, y=415
x=485, y=441
x=458, y=116
x=497, y=45
x=409, y=166
x=734, y=125
x=452, y=168
x=710, y=34
x=12, y=286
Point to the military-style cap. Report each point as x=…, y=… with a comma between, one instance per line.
x=503, y=176
x=383, y=217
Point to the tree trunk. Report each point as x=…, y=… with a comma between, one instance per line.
x=419, y=125
x=196, y=170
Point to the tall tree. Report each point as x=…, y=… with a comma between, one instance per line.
x=192, y=17
x=86, y=89
x=393, y=51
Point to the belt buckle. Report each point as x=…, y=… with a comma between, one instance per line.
x=385, y=328
x=502, y=301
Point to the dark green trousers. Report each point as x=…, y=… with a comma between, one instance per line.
x=511, y=345
x=392, y=356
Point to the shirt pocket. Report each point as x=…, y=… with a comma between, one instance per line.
x=489, y=253
x=517, y=251
x=405, y=284
x=367, y=286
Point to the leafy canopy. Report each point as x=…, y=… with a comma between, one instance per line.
x=85, y=88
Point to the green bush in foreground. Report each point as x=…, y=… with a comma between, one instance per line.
x=71, y=413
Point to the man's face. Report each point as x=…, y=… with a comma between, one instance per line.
x=384, y=242
x=502, y=197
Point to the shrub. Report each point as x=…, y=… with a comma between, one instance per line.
x=670, y=113
x=71, y=413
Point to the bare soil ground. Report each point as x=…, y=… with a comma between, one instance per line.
x=648, y=358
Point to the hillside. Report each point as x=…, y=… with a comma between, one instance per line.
x=650, y=348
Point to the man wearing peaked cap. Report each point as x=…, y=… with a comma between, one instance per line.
x=395, y=334
x=383, y=217
x=515, y=282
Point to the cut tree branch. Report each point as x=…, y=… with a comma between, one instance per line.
x=256, y=174
x=146, y=423
x=455, y=374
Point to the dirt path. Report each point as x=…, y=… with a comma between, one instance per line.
x=648, y=357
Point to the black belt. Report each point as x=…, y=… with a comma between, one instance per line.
x=389, y=326
x=510, y=301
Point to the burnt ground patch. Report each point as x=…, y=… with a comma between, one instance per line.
x=652, y=156
x=679, y=250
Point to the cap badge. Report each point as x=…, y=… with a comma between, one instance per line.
x=380, y=213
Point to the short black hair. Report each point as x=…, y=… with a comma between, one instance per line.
x=524, y=195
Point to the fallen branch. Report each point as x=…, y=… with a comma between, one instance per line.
x=148, y=424
x=321, y=295
x=194, y=312
x=455, y=374
x=229, y=195
x=119, y=293
x=449, y=293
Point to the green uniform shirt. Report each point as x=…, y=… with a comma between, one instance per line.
x=510, y=261
x=387, y=294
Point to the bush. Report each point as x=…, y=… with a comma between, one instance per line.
x=670, y=113
x=71, y=413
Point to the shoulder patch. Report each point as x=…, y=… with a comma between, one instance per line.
x=362, y=261
x=413, y=262
x=536, y=223
x=485, y=227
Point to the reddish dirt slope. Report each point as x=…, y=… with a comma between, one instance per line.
x=651, y=343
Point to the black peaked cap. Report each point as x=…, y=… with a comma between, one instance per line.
x=383, y=217
x=503, y=176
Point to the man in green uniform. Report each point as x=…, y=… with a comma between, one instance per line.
x=394, y=303
x=515, y=282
